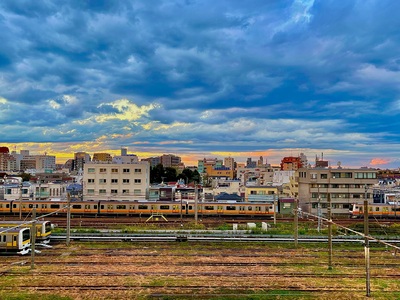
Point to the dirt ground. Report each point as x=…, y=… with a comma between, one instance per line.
x=189, y=270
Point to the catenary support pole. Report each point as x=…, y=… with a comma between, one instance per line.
x=330, y=251
x=68, y=237
x=33, y=237
x=366, y=247
x=296, y=222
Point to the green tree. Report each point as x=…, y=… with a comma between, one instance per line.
x=170, y=174
x=157, y=173
x=25, y=176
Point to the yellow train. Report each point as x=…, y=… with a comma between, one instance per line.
x=138, y=208
x=15, y=240
x=43, y=229
x=375, y=210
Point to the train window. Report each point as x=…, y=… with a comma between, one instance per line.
x=143, y=206
x=7, y=205
x=164, y=206
x=231, y=207
x=102, y=206
x=376, y=208
x=190, y=207
x=249, y=208
x=95, y=206
x=121, y=206
x=77, y=206
x=209, y=207
x=54, y=205
x=14, y=205
x=44, y=206
x=30, y=205
x=14, y=238
x=4, y=238
x=109, y=207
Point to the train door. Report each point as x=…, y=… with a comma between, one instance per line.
x=175, y=209
x=385, y=211
x=110, y=208
x=242, y=209
x=258, y=210
x=153, y=208
x=86, y=208
x=220, y=209
x=14, y=239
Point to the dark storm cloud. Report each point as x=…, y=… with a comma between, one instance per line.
x=212, y=74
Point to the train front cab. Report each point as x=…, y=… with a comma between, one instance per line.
x=16, y=240
x=356, y=211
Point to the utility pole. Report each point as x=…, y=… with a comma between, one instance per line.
x=68, y=237
x=20, y=200
x=329, y=231
x=195, y=202
x=33, y=237
x=366, y=246
x=275, y=210
x=296, y=223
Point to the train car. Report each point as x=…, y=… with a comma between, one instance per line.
x=233, y=209
x=43, y=229
x=375, y=210
x=15, y=240
x=60, y=207
x=103, y=207
x=5, y=206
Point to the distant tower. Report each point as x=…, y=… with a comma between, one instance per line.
x=124, y=151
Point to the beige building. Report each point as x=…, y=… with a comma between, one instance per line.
x=102, y=181
x=102, y=157
x=341, y=186
x=261, y=194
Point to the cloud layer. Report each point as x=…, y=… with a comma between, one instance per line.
x=200, y=78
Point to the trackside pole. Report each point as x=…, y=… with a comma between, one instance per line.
x=296, y=223
x=33, y=237
x=68, y=237
x=366, y=247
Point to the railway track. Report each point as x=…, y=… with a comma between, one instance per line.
x=199, y=270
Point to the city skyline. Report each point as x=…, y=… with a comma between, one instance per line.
x=203, y=79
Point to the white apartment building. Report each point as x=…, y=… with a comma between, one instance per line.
x=110, y=181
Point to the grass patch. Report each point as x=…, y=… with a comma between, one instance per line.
x=28, y=296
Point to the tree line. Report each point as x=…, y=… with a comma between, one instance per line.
x=160, y=174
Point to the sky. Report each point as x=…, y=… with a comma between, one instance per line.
x=203, y=79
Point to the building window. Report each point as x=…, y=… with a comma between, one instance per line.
x=102, y=191
x=137, y=192
x=91, y=170
x=114, y=170
x=90, y=180
x=125, y=180
x=126, y=171
x=324, y=176
x=114, y=180
x=138, y=180
x=313, y=176
x=125, y=191
x=103, y=170
x=114, y=191
x=102, y=180
x=365, y=175
x=138, y=170
x=90, y=191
